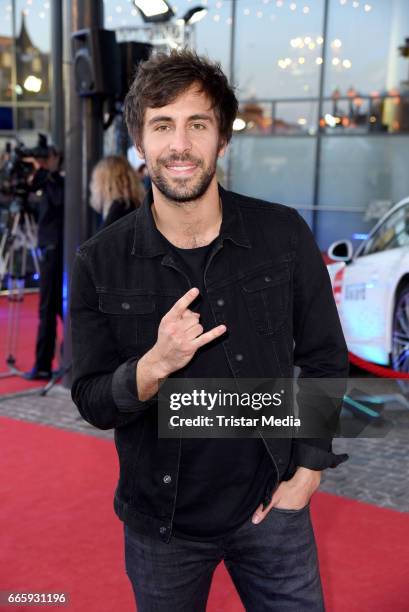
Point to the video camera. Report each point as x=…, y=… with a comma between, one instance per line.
x=16, y=170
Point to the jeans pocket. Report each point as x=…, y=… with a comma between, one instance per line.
x=291, y=510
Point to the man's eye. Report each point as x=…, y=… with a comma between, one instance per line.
x=162, y=128
x=198, y=126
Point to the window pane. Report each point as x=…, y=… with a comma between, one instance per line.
x=210, y=35
x=391, y=234
x=363, y=171
x=275, y=169
x=32, y=51
x=373, y=64
x=6, y=53
x=261, y=117
x=278, y=48
x=33, y=118
x=333, y=225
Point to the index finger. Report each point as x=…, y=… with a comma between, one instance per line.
x=180, y=306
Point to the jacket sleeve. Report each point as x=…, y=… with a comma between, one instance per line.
x=320, y=349
x=103, y=389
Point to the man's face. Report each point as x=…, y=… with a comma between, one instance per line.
x=181, y=145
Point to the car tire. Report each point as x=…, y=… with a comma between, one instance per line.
x=400, y=331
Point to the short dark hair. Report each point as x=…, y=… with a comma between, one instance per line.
x=162, y=78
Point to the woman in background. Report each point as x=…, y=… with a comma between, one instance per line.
x=116, y=189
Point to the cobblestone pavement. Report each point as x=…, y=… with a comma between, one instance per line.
x=377, y=471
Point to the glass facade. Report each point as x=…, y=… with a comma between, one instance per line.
x=24, y=69
x=323, y=87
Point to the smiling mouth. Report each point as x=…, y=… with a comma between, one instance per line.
x=181, y=168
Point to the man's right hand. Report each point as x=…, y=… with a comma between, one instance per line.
x=180, y=335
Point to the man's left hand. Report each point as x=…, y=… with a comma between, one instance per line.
x=291, y=494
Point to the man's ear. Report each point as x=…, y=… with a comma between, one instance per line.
x=222, y=148
x=139, y=150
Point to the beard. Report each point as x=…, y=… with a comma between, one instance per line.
x=181, y=189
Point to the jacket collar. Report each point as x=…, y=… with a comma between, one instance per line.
x=149, y=242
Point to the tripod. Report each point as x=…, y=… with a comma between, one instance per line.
x=19, y=238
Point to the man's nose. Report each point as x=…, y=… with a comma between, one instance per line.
x=180, y=141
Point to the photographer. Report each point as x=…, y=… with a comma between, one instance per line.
x=48, y=184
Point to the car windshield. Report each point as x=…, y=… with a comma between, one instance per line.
x=394, y=232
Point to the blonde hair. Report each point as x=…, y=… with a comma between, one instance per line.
x=113, y=178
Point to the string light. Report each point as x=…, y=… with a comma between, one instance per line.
x=347, y=63
x=367, y=8
x=293, y=6
x=335, y=61
x=319, y=60
x=320, y=40
x=246, y=11
x=306, y=10
x=336, y=44
x=259, y=14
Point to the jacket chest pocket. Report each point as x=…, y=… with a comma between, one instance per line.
x=266, y=296
x=133, y=319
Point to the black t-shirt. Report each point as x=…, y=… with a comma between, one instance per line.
x=221, y=481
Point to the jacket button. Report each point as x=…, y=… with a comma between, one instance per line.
x=125, y=306
x=239, y=357
x=220, y=302
x=167, y=478
x=162, y=529
x=267, y=279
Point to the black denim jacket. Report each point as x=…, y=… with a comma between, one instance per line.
x=265, y=279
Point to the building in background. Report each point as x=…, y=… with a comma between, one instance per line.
x=24, y=69
x=323, y=89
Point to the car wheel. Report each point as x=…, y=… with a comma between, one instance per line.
x=400, y=331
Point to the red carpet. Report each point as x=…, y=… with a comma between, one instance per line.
x=61, y=533
x=26, y=338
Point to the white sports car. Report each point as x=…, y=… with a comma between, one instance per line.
x=371, y=289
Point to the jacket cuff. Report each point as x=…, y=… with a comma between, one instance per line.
x=124, y=388
x=316, y=457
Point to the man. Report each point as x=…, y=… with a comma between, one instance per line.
x=48, y=183
x=203, y=283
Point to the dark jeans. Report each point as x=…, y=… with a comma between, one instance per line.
x=273, y=565
x=50, y=306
